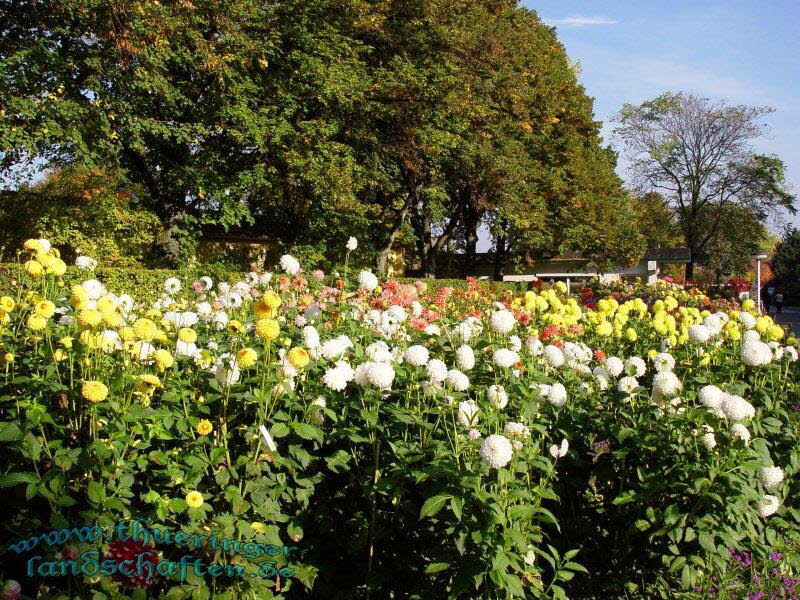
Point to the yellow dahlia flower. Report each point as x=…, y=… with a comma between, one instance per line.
x=145, y=329
x=204, y=427
x=298, y=358
x=94, y=391
x=163, y=359
x=246, y=357
x=36, y=322
x=187, y=335
x=45, y=308
x=269, y=329
x=7, y=304
x=194, y=499
x=34, y=268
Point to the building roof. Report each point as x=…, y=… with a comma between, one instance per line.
x=669, y=255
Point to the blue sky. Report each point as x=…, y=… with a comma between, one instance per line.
x=743, y=51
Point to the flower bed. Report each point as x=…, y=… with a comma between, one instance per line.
x=290, y=436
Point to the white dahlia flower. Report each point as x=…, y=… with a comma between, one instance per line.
x=505, y=358
x=553, y=356
x=416, y=356
x=768, y=505
x=737, y=408
x=635, y=366
x=465, y=357
x=379, y=351
x=457, y=380
x=517, y=430
x=367, y=281
x=708, y=440
x=665, y=384
x=172, y=285
x=751, y=335
x=352, y=243
x=337, y=377
x=534, y=346
x=664, y=361
x=755, y=353
x=748, y=321
x=310, y=337
x=289, y=264
x=559, y=451
x=86, y=263
x=699, y=334
x=503, y=321
x=613, y=366
x=627, y=385
x=467, y=413
x=557, y=395
x=514, y=343
x=380, y=375
x=498, y=397
x=711, y=396
x=437, y=370
x=740, y=431
x=496, y=451
x=770, y=477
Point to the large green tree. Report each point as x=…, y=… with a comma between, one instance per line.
x=398, y=122
x=225, y=112
x=697, y=154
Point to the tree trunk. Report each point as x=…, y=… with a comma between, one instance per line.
x=381, y=262
x=500, y=257
x=471, y=222
x=689, y=273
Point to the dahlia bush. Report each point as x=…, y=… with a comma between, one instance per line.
x=393, y=443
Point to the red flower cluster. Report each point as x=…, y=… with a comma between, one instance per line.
x=130, y=550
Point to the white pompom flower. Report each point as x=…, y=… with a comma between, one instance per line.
x=498, y=397
x=367, y=281
x=613, y=366
x=736, y=408
x=770, y=477
x=465, y=357
x=416, y=356
x=289, y=264
x=457, y=380
x=502, y=321
x=768, y=505
x=467, y=413
x=557, y=395
x=505, y=358
x=553, y=356
x=437, y=370
x=496, y=451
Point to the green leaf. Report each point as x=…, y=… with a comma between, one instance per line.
x=624, y=498
x=10, y=432
x=12, y=479
x=279, y=430
x=436, y=567
x=308, y=432
x=433, y=505
x=96, y=492
x=457, y=505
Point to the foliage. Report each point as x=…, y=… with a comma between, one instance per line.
x=82, y=212
x=785, y=263
x=310, y=122
x=112, y=411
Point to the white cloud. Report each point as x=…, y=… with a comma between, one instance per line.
x=582, y=21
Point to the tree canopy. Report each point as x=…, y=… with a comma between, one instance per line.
x=402, y=123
